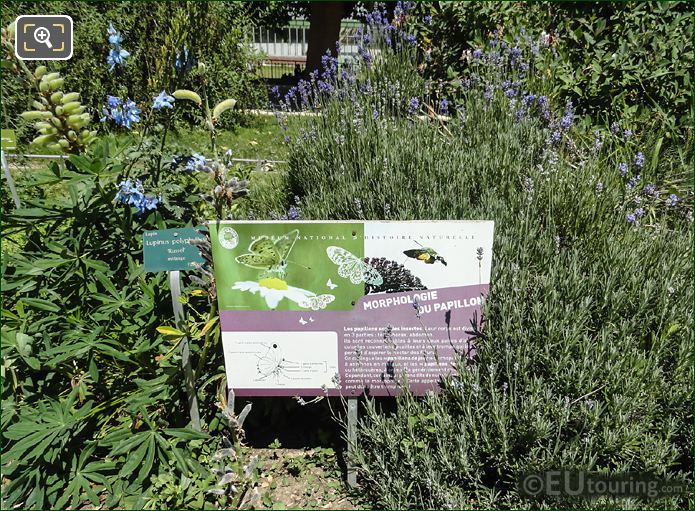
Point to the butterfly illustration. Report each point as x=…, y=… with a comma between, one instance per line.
x=330, y=284
x=269, y=255
x=302, y=321
x=352, y=267
x=317, y=302
x=426, y=254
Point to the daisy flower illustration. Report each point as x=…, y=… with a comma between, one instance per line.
x=273, y=290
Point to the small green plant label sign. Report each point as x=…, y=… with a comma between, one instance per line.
x=171, y=249
x=9, y=140
x=313, y=308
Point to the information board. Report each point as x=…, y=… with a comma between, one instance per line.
x=312, y=308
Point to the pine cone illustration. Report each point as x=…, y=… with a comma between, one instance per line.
x=397, y=278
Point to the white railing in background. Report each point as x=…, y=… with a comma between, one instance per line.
x=291, y=41
x=286, y=47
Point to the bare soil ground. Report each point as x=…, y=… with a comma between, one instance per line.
x=302, y=479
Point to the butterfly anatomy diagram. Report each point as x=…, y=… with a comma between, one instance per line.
x=272, y=364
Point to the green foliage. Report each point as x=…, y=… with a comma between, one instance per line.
x=171, y=492
x=584, y=354
x=214, y=34
x=92, y=398
x=632, y=60
x=583, y=357
x=44, y=437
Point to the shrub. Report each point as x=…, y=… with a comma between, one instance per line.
x=93, y=404
x=607, y=57
x=584, y=361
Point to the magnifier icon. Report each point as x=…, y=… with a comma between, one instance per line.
x=43, y=36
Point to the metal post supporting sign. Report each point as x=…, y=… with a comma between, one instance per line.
x=175, y=285
x=10, y=182
x=352, y=440
x=171, y=250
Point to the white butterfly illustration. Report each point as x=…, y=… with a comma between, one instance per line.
x=311, y=319
x=352, y=267
x=317, y=302
x=302, y=321
x=331, y=285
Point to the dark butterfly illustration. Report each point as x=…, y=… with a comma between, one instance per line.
x=425, y=254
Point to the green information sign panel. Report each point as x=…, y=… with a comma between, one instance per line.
x=9, y=140
x=171, y=249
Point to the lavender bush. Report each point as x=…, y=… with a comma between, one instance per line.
x=604, y=57
x=584, y=357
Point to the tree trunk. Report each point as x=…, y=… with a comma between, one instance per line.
x=324, y=31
